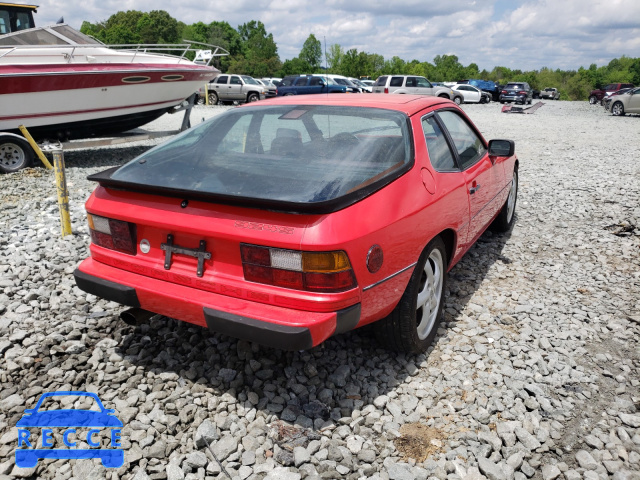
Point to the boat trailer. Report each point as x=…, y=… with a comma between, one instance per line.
x=12, y=145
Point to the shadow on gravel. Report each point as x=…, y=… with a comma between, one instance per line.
x=331, y=381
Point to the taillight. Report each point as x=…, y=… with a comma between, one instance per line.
x=113, y=234
x=386, y=89
x=310, y=271
x=522, y=92
x=504, y=92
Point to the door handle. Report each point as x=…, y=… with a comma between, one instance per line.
x=474, y=189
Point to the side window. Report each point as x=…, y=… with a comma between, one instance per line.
x=4, y=23
x=222, y=79
x=423, y=82
x=439, y=150
x=301, y=82
x=396, y=81
x=235, y=80
x=380, y=81
x=411, y=82
x=315, y=81
x=467, y=143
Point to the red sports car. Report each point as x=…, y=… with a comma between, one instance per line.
x=289, y=221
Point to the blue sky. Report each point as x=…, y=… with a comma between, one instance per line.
x=525, y=34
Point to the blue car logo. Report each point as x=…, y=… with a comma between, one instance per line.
x=69, y=419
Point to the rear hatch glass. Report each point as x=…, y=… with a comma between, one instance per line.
x=293, y=158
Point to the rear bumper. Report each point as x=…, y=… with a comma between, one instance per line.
x=271, y=325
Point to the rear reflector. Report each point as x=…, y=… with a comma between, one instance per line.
x=310, y=271
x=113, y=234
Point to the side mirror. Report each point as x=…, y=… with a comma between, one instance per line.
x=321, y=83
x=501, y=148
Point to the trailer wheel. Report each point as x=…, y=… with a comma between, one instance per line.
x=15, y=154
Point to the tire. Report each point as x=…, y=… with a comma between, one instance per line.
x=288, y=95
x=253, y=97
x=530, y=101
x=593, y=99
x=213, y=98
x=457, y=100
x=617, y=109
x=15, y=154
x=413, y=324
x=504, y=220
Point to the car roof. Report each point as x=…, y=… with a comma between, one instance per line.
x=408, y=104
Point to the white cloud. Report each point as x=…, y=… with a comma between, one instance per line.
x=525, y=34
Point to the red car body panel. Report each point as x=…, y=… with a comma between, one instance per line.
x=401, y=218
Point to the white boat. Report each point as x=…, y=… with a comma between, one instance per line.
x=62, y=84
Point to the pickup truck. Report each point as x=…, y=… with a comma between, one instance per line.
x=550, y=93
x=308, y=84
x=597, y=95
x=230, y=88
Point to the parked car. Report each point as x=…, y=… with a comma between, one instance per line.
x=341, y=80
x=367, y=82
x=308, y=84
x=270, y=89
x=518, y=92
x=364, y=87
x=486, y=86
x=598, y=94
x=414, y=85
x=628, y=102
x=229, y=88
x=288, y=221
x=472, y=94
x=550, y=93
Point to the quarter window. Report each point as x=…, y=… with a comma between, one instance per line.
x=439, y=151
x=467, y=143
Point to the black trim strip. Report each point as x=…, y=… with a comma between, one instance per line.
x=106, y=289
x=274, y=335
x=389, y=277
x=348, y=319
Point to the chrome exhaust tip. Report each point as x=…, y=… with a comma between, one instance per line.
x=136, y=316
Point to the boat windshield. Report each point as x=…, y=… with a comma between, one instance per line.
x=54, y=35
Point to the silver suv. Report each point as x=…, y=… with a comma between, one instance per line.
x=412, y=84
x=229, y=88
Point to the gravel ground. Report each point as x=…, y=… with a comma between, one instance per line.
x=535, y=373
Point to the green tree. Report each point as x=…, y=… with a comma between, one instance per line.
x=295, y=66
x=312, y=52
x=259, y=51
x=334, y=57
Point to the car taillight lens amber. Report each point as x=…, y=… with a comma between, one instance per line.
x=113, y=234
x=309, y=271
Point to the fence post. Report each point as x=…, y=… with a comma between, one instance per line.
x=63, y=193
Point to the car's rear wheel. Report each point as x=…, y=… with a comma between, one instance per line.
x=593, y=99
x=15, y=154
x=504, y=220
x=413, y=324
x=213, y=98
x=617, y=109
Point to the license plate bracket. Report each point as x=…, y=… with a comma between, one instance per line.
x=200, y=253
